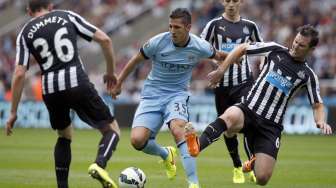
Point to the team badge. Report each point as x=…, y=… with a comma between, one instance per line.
x=246, y=30
x=301, y=75
x=146, y=45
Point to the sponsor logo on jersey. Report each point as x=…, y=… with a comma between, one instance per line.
x=280, y=82
x=229, y=46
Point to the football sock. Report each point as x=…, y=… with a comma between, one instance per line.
x=232, y=146
x=188, y=162
x=152, y=148
x=62, y=156
x=107, y=146
x=212, y=132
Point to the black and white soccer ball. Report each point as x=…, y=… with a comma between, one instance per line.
x=132, y=177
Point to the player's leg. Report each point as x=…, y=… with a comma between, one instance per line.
x=266, y=144
x=176, y=114
x=62, y=156
x=60, y=121
x=188, y=162
x=146, y=124
x=91, y=109
x=223, y=100
x=232, y=121
x=263, y=168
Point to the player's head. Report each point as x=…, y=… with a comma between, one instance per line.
x=179, y=25
x=232, y=7
x=35, y=6
x=305, y=41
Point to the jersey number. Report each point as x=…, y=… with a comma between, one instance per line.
x=59, y=43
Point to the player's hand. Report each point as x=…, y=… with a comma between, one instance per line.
x=10, y=124
x=116, y=90
x=325, y=128
x=110, y=80
x=214, y=77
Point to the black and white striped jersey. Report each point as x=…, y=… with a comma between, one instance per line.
x=52, y=40
x=224, y=35
x=280, y=78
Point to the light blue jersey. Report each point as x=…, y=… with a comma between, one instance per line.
x=165, y=94
x=171, y=65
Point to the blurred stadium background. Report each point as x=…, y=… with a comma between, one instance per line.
x=131, y=22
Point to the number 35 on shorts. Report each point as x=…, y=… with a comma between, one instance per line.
x=181, y=108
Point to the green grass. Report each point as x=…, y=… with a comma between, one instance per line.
x=26, y=161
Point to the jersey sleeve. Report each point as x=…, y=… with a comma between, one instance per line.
x=262, y=48
x=206, y=49
x=313, y=89
x=22, y=51
x=256, y=36
x=149, y=48
x=83, y=27
x=208, y=32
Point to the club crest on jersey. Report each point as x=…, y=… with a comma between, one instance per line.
x=301, y=75
x=280, y=82
x=146, y=45
x=246, y=30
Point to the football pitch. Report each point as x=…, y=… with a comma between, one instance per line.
x=26, y=161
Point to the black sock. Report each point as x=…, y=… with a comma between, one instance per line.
x=106, y=146
x=212, y=133
x=232, y=146
x=62, y=155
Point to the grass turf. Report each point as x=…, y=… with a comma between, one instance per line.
x=26, y=161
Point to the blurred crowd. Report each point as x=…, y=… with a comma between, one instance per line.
x=277, y=21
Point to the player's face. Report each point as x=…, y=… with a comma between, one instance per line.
x=179, y=31
x=300, y=47
x=232, y=7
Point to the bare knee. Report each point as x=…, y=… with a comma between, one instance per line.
x=234, y=119
x=65, y=133
x=177, y=129
x=139, y=138
x=263, y=178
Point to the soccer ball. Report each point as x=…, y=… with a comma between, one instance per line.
x=132, y=177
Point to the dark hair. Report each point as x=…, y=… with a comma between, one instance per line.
x=309, y=31
x=181, y=13
x=37, y=5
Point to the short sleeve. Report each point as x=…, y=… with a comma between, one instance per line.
x=149, y=48
x=206, y=49
x=83, y=27
x=22, y=51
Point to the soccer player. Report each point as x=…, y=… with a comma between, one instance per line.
x=164, y=97
x=51, y=37
x=225, y=33
x=260, y=115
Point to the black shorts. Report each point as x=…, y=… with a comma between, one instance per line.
x=84, y=100
x=228, y=96
x=261, y=135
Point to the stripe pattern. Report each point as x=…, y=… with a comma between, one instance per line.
x=279, y=80
x=224, y=36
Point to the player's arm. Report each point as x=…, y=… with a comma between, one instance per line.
x=220, y=56
x=106, y=45
x=130, y=66
x=313, y=91
x=319, y=116
x=17, y=88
